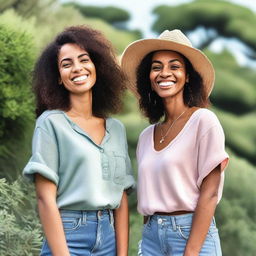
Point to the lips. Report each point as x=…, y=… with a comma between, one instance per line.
x=79, y=78
x=166, y=83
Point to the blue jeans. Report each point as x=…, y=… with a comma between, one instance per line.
x=87, y=233
x=168, y=235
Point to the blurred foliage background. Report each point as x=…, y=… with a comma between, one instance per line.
x=27, y=26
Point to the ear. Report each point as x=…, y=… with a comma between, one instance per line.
x=60, y=81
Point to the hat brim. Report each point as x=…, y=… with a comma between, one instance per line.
x=136, y=51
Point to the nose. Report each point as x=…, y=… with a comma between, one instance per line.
x=165, y=72
x=77, y=67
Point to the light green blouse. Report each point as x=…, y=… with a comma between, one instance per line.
x=88, y=176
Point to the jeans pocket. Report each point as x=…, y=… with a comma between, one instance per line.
x=119, y=168
x=184, y=231
x=70, y=223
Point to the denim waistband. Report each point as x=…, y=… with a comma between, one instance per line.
x=88, y=214
x=177, y=220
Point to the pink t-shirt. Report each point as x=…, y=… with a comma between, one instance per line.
x=169, y=180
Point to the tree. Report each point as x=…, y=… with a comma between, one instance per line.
x=236, y=22
x=109, y=14
x=27, y=8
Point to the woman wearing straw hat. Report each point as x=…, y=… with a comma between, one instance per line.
x=181, y=156
x=80, y=163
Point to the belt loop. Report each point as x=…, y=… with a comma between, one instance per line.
x=111, y=216
x=84, y=215
x=173, y=221
x=99, y=214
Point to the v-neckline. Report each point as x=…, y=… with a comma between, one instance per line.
x=176, y=137
x=78, y=129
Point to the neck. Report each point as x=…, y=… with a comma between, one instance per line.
x=173, y=108
x=81, y=105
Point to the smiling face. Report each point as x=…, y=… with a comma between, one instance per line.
x=168, y=74
x=77, y=71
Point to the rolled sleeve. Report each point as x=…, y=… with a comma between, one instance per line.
x=211, y=153
x=44, y=160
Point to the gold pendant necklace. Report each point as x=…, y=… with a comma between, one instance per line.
x=171, y=125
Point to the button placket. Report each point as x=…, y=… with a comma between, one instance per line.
x=104, y=165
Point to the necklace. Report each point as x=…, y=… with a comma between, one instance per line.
x=163, y=136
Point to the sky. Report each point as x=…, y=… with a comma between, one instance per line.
x=142, y=19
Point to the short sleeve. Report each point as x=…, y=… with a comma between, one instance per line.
x=211, y=153
x=44, y=159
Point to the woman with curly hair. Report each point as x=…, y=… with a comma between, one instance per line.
x=79, y=162
x=181, y=156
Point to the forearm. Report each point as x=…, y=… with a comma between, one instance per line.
x=121, y=217
x=201, y=222
x=53, y=228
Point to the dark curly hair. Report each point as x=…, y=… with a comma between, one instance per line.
x=152, y=105
x=110, y=82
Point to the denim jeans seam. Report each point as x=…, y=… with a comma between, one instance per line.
x=164, y=248
x=181, y=233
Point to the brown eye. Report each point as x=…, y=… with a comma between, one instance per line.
x=66, y=65
x=85, y=60
x=155, y=68
x=175, y=67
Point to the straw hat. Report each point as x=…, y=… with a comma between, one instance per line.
x=173, y=40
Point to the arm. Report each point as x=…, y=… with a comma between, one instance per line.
x=204, y=212
x=121, y=217
x=50, y=217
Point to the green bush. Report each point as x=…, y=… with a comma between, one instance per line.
x=236, y=214
x=16, y=99
x=20, y=231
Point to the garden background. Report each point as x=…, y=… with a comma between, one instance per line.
x=27, y=26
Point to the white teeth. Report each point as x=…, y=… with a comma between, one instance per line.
x=166, y=83
x=80, y=78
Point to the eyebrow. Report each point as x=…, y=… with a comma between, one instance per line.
x=171, y=61
x=79, y=56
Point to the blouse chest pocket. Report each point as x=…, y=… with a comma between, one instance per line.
x=119, y=167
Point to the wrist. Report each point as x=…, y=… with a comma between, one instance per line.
x=191, y=252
